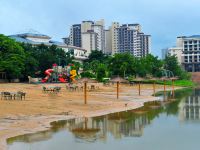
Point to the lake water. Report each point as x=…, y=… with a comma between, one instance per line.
x=173, y=126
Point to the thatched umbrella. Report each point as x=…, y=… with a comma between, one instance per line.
x=118, y=80
x=173, y=79
x=85, y=81
x=154, y=85
x=139, y=79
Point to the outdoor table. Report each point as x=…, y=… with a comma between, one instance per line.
x=51, y=88
x=13, y=95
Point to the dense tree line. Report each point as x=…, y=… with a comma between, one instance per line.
x=125, y=65
x=20, y=60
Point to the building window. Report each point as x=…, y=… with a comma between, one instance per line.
x=190, y=59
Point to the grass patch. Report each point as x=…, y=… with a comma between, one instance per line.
x=183, y=83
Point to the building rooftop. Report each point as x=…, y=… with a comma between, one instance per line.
x=20, y=39
x=23, y=39
x=192, y=36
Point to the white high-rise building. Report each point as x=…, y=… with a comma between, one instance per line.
x=114, y=37
x=128, y=38
x=98, y=28
x=108, y=42
x=89, y=41
x=86, y=25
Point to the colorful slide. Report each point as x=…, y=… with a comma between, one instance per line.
x=48, y=73
x=67, y=75
x=62, y=80
x=73, y=75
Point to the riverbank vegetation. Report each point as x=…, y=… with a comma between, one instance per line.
x=20, y=60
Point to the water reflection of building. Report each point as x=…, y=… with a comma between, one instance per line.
x=92, y=129
x=189, y=108
x=133, y=127
x=119, y=127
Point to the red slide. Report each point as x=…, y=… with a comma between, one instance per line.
x=62, y=80
x=48, y=73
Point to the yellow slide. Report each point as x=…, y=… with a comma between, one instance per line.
x=73, y=75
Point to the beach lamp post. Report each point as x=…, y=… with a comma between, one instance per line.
x=85, y=81
x=118, y=80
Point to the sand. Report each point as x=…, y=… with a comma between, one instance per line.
x=18, y=117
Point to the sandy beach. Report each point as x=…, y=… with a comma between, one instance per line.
x=18, y=117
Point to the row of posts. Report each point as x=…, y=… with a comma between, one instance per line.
x=154, y=88
x=139, y=89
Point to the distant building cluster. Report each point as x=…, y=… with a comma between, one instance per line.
x=91, y=35
x=187, y=51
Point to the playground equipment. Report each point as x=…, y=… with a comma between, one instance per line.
x=73, y=75
x=66, y=74
x=167, y=73
x=48, y=72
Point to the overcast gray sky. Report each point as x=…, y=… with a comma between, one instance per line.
x=163, y=19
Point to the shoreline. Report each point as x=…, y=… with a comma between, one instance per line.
x=12, y=126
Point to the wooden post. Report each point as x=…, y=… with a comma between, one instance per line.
x=85, y=92
x=139, y=88
x=117, y=89
x=154, y=88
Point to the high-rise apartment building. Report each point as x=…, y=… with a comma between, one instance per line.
x=145, y=44
x=114, y=37
x=117, y=39
x=125, y=39
x=89, y=41
x=86, y=25
x=85, y=30
x=75, y=35
x=129, y=38
x=108, y=42
x=100, y=40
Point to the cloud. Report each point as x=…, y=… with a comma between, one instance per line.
x=164, y=20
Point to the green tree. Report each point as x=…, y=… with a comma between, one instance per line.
x=12, y=57
x=96, y=55
x=42, y=57
x=150, y=65
x=31, y=63
x=101, y=72
x=171, y=63
x=122, y=63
